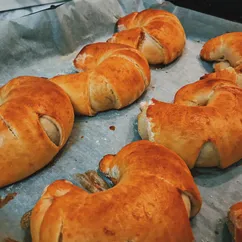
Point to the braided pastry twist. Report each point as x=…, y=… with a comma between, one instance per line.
x=113, y=77
x=158, y=34
x=226, y=49
x=36, y=119
x=203, y=125
x=154, y=192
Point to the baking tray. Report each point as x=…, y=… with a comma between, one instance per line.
x=20, y=12
x=45, y=44
x=16, y=4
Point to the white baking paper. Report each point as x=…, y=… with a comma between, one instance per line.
x=45, y=44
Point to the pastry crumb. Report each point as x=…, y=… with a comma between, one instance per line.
x=112, y=128
x=7, y=199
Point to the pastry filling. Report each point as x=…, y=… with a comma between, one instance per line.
x=209, y=156
x=187, y=203
x=51, y=129
x=144, y=123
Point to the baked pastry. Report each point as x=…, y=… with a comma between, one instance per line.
x=235, y=221
x=226, y=49
x=36, y=118
x=203, y=125
x=113, y=77
x=153, y=197
x=228, y=73
x=158, y=34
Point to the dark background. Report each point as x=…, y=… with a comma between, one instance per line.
x=227, y=9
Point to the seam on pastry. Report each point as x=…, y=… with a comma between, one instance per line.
x=115, y=100
x=205, y=103
x=210, y=95
x=149, y=124
x=106, y=55
x=222, y=50
x=192, y=200
x=156, y=43
x=90, y=108
x=123, y=27
x=60, y=217
x=185, y=192
x=82, y=58
x=58, y=192
x=155, y=18
x=44, y=206
x=50, y=198
x=60, y=237
x=8, y=126
x=137, y=66
x=193, y=102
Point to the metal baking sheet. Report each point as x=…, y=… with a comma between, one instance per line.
x=16, y=4
x=45, y=44
x=24, y=11
x=17, y=13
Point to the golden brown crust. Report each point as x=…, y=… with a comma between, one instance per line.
x=145, y=205
x=77, y=87
x=203, y=126
x=235, y=221
x=158, y=34
x=25, y=145
x=225, y=47
x=131, y=37
x=114, y=76
x=227, y=74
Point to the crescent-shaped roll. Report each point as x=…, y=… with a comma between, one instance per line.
x=152, y=200
x=158, y=34
x=226, y=49
x=235, y=221
x=203, y=125
x=36, y=119
x=113, y=76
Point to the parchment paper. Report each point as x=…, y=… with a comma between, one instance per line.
x=45, y=44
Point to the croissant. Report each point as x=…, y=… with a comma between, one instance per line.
x=113, y=77
x=152, y=200
x=203, y=125
x=225, y=49
x=235, y=221
x=36, y=120
x=158, y=34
